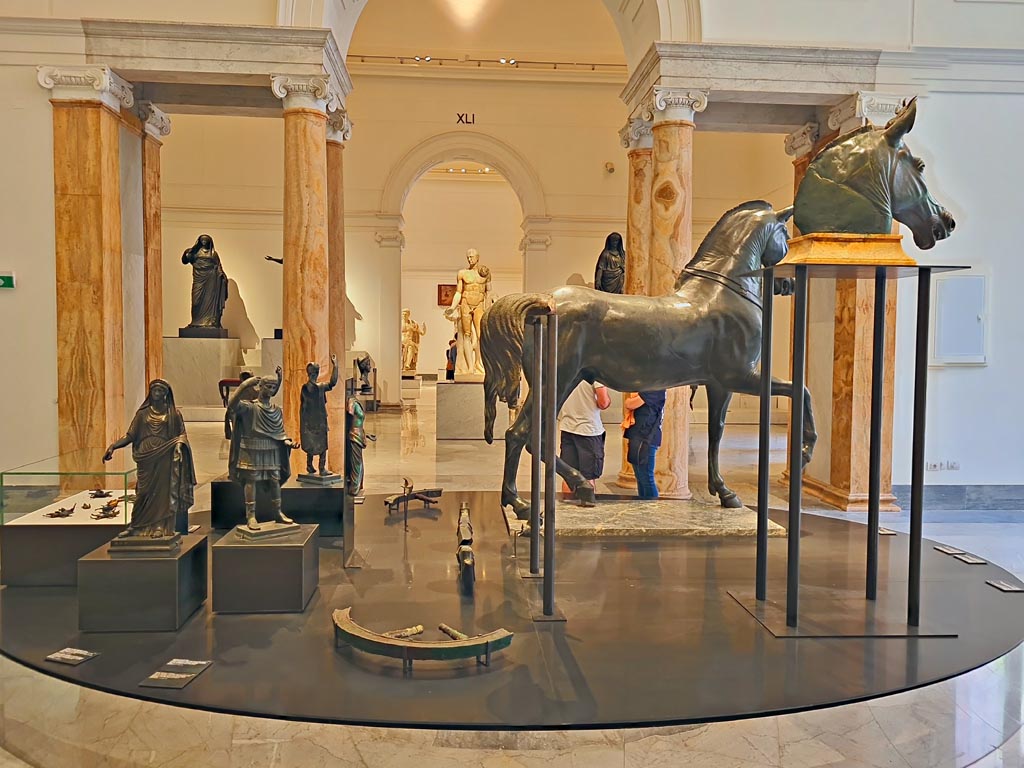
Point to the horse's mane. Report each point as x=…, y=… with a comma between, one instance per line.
x=712, y=236
x=840, y=139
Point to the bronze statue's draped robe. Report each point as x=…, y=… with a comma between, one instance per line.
x=258, y=450
x=166, y=475
x=313, y=418
x=209, y=289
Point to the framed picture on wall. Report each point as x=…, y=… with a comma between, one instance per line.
x=445, y=294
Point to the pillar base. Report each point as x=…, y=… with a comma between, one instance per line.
x=846, y=500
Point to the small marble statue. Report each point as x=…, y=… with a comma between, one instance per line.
x=412, y=332
x=354, y=420
x=610, y=274
x=259, y=446
x=364, y=363
x=166, y=475
x=471, y=300
x=209, y=284
x=313, y=426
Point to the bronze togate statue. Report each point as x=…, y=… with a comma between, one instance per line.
x=610, y=273
x=313, y=426
x=209, y=287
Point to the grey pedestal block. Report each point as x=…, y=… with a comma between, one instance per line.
x=288, y=571
x=47, y=555
x=147, y=593
x=193, y=366
x=460, y=412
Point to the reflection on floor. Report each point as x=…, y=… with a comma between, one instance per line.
x=955, y=723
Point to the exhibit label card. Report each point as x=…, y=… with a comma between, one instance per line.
x=71, y=656
x=886, y=532
x=1005, y=586
x=948, y=550
x=176, y=673
x=970, y=559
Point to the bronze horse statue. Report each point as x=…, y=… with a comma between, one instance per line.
x=707, y=332
x=864, y=179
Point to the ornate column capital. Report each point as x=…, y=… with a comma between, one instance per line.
x=801, y=141
x=156, y=122
x=306, y=92
x=339, y=126
x=875, y=107
x=636, y=133
x=390, y=238
x=86, y=83
x=678, y=103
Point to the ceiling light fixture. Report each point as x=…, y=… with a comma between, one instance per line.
x=503, y=61
x=512, y=62
x=463, y=170
x=417, y=58
x=427, y=58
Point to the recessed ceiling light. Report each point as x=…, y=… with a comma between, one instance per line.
x=451, y=170
x=427, y=58
x=503, y=61
x=417, y=58
x=511, y=61
x=487, y=170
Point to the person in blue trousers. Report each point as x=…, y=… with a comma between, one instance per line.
x=644, y=436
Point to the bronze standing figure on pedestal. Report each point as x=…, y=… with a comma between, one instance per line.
x=610, y=273
x=162, y=455
x=209, y=283
x=313, y=426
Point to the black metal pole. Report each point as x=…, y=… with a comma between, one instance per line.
x=875, y=445
x=796, y=428
x=536, y=437
x=764, y=434
x=550, y=431
x=924, y=293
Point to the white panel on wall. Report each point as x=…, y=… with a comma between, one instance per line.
x=959, y=317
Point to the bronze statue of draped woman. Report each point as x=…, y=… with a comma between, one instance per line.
x=166, y=477
x=610, y=274
x=209, y=283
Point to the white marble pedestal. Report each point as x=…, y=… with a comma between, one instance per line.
x=410, y=387
x=193, y=367
x=460, y=412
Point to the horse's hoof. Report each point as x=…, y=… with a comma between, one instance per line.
x=520, y=508
x=730, y=500
x=586, y=495
x=805, y=456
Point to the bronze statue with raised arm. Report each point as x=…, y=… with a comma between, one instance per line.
x=313, y=426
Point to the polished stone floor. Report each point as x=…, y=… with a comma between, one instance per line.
x=972, y=719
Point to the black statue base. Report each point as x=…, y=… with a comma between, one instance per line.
x=278, y=333
x=142, y=593
x=129, y=546
x=318, y=480
x=265, y=531
x=201, y=332
x=302, y=503
x=289, y=569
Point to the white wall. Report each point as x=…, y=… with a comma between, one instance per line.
x=444, y=218
x=28, y=314
x=974, y=416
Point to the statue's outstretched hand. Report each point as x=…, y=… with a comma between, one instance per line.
x=108, y=455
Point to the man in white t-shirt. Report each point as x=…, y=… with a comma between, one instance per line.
x=582, y=443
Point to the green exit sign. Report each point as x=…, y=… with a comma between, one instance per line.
x=6, y=279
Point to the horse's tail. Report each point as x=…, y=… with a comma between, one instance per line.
x=502, y=332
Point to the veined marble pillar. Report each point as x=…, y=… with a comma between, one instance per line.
x=157, y=125
x=87, y=101
x=637, y=138
x=671, y=248
x=841, y=316
x=339, y=130
x=306, y=274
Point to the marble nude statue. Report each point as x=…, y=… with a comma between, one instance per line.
x=412, y=332
x=471, y=300
x=166, y=476
x=610, y=273
x=209, y=283
x=259, y=452
x=313, y=426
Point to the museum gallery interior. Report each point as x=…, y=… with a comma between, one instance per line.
x=508, y=382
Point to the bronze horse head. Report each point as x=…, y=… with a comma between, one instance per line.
x=863, y=180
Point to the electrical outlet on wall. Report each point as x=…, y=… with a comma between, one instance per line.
x=931, y=466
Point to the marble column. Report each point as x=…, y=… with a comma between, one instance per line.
x=156, y=125
x=339, y=130
x=636, y=137
x=306, y=273
x=87, y=101
x=671, y=248
x=840, y=343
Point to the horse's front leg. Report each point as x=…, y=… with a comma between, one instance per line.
x=718, y=407
x=516, y=438
x=750, y=384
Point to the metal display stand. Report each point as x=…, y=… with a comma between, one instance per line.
x=881, y=274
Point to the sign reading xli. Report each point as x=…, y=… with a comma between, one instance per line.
x=465, y=118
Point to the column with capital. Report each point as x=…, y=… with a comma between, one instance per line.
x=670, y=249
x=636, y=136
x=305, y=302
x=87, y=103
x=156, y=125
x=339, y=130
